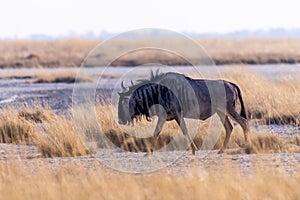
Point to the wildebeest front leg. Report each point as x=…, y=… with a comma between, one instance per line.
x=181, y=123
x=160, y=123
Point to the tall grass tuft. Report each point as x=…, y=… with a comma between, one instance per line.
x=60, y=138
x=53, y=135
x=14, y=129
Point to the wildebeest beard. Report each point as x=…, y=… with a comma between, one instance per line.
x=142, y=101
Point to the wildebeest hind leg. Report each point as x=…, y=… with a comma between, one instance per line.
x=243, y=123
x=228, y=128
x=182, y=125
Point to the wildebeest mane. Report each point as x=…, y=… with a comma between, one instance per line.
x=144, y=97
x=154, y=77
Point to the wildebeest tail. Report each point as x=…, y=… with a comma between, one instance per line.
x=243, y=109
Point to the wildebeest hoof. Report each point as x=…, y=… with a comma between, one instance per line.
x=149, y=152
x=221, y=151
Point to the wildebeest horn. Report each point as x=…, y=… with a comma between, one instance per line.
x=123, y=86
x=131, y=83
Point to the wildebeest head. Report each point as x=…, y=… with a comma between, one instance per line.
x=123, y=109
x=137, y=100
x=135, y=103
x=124, y=116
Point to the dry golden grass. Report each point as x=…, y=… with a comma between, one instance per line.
x=275, y=102
x=53, y=135
x=60, y=138
x=37, y=115
x=57, y=75
x=57, y=136
x=50, y=77
x=62, y=78
x=76, y=182
x=14, y=129
x=253, y=50
x=267, y=102
x=260, y=143
x=66, y=53
x=26, y=53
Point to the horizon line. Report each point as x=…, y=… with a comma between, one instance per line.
x=103, y=34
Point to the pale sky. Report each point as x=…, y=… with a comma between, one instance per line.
x=59, y=17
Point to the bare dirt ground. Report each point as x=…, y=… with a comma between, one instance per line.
x=203, y=161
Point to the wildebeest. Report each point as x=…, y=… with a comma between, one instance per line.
x=169, y=91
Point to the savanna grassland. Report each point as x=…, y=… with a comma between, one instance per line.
x=73, y=181
x=62, y=168
x=45, y=173
x=71, y=52
x=42, y=156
